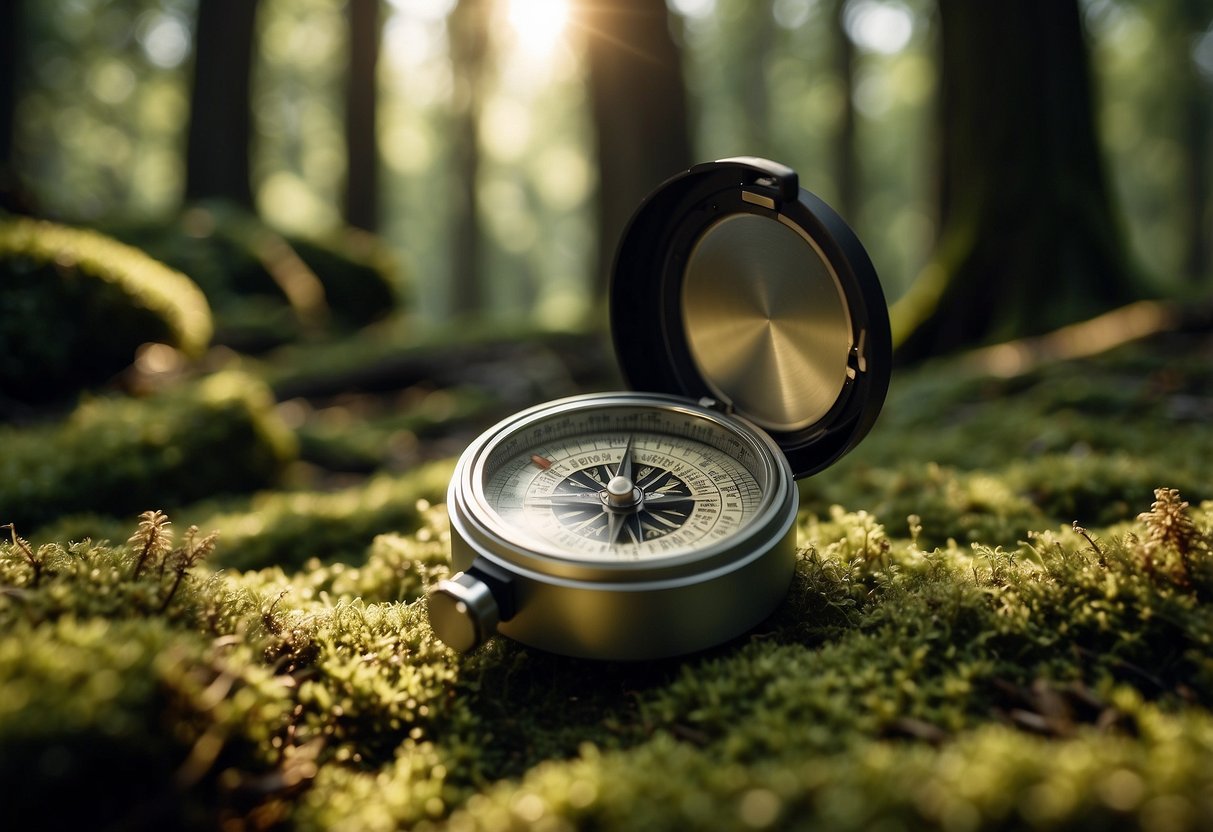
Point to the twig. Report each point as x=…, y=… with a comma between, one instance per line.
x=1103, y=561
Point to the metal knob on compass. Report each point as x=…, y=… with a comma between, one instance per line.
x=463, y=612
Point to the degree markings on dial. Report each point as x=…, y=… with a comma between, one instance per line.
x=692, y=495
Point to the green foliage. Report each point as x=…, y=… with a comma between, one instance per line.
x=119, y=455
x=1056, y=686
x=75, y=305
x=267, y=288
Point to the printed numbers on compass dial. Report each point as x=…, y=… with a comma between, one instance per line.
x=626, y=495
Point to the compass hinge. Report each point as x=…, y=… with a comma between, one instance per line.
x=715, y=404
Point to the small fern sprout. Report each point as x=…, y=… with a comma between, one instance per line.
x=191, y=552
x=27, y=551
x=1169, y=526
x=154, y=539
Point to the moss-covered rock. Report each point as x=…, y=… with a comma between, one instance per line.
x=75, y=305
x=121, y=455
x=268, y=288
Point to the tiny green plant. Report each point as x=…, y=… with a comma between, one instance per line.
x=153, y=538
x=1170, y=527
x=27, y=552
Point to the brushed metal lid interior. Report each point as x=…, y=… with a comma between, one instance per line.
x=734, y=283
x=766, y=321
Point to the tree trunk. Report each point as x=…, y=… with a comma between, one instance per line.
x=1028, y=239
x=217, y=152
x=469, y=43
x=638, y=101
x=362, y=149
x=11, y=53
x=746, y=55
x=1196, y=141
x=846, y=165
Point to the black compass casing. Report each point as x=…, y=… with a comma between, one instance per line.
x=733, y=283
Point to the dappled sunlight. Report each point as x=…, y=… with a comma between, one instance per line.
x=1081, y=340
x=882, y=26
x=538, y=24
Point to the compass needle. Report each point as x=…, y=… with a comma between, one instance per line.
x=625, y=463
x=614, y=523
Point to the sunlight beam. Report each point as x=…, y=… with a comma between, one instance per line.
x=538, y=24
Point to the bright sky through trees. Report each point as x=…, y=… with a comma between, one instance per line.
x=538, y=23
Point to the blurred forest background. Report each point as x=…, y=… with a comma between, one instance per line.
x=497, y=146
x=267, y=266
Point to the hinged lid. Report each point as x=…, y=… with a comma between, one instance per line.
x=734, y=283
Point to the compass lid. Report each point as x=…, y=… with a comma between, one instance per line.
x=732, y=282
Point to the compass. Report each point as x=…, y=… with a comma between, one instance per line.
x=750, y=324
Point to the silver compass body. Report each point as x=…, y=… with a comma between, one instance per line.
x=638, y=525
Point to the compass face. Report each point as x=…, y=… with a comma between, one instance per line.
x=624, y=483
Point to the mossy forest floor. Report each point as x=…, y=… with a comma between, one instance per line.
x=953, y=652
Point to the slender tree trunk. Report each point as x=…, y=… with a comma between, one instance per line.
x=846, y=164
x=1029, y=240
x=638, y=101
x=748, y=48
x=217, y=152
x=362, y=149
x=1195, y=96
x=469, y=43
x=1197, y=140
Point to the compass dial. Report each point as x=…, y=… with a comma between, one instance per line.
x=624, y=484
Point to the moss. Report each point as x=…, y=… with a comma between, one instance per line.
x=1052, y=686
x=955, y=654
x=120, y=456
x=291, y=528
x=75, y=305
x=991, y=778
x=267, y=288
x=387, y=432
x=986, y=459
x=115, y=691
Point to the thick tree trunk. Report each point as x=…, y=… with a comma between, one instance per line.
x=217, y=153
x=11, y=53
x=361, y=97
x=469, y=43
x=639, y=107
x=1028, y=240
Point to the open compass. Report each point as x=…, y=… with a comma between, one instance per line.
x=645, y=524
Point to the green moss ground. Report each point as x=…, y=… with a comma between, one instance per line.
x=952, y=653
